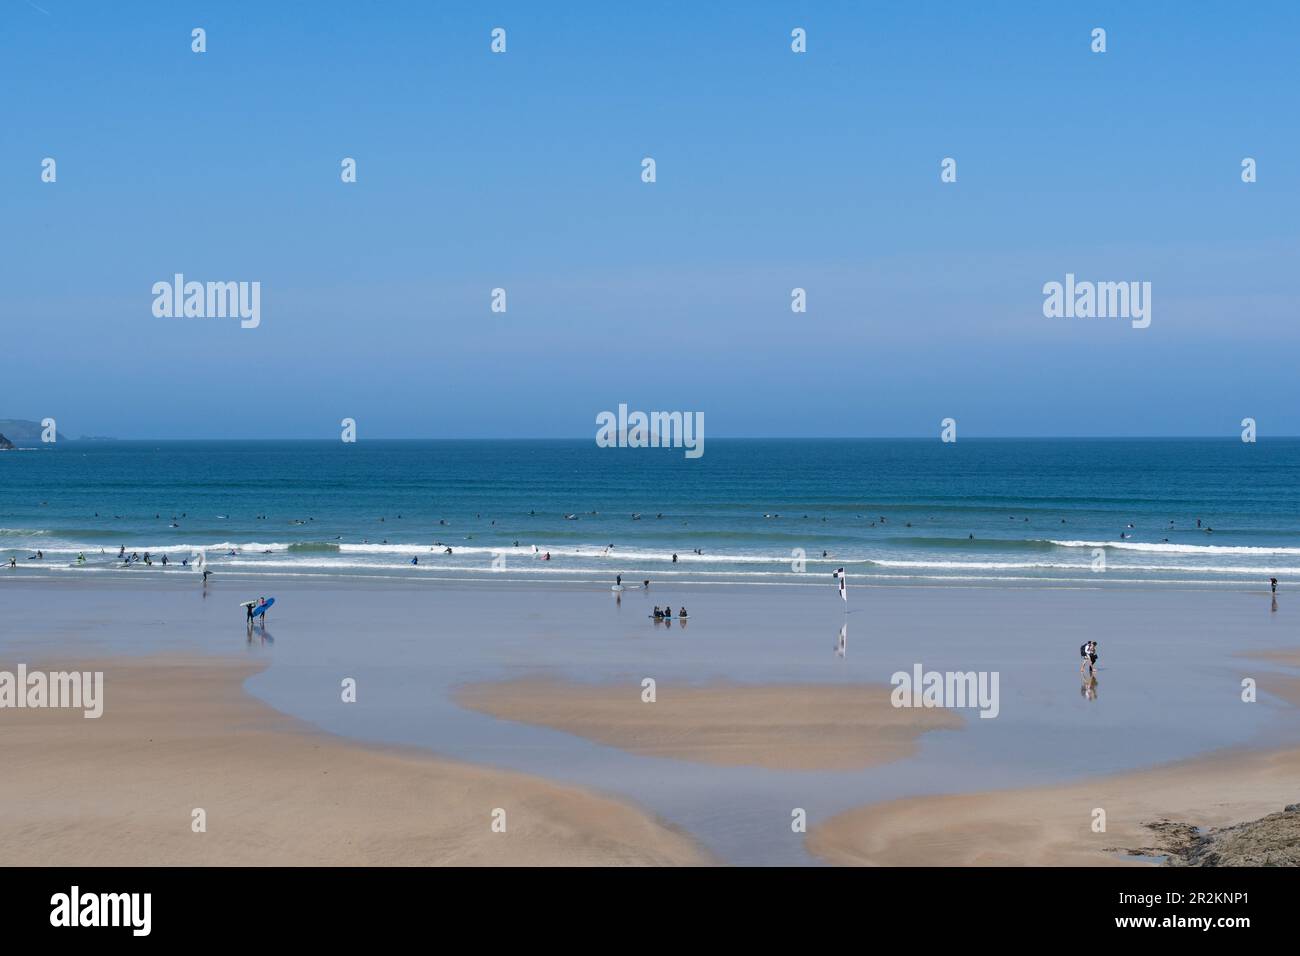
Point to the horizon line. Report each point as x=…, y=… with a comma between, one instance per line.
x=724, y=438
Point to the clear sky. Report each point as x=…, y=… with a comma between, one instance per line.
x=775, y=170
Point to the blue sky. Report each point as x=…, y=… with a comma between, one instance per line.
x=775, y=170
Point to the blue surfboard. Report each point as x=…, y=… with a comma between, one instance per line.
x=261, y=608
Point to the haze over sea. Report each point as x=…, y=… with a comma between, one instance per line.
x=891, y=511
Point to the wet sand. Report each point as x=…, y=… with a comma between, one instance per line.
x=1168, y=692
x=780, y=727
x=1149, y=812
x=180, y=733
x=1052, y=826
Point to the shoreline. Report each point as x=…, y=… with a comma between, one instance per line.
x=570, y=581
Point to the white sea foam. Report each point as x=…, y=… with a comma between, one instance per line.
x=1166, y=548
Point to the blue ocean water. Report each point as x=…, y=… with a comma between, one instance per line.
x=777, y=512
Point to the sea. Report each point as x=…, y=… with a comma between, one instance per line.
x=772, y=512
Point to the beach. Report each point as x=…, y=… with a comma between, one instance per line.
x=1148, y=815
x=770, y=704
x=781, y=727
x=179, y=736
x=1152, y=813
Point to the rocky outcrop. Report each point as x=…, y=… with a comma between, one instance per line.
x=5, y=443
x=1273, y=840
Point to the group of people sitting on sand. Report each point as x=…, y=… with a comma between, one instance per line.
x=667, y=614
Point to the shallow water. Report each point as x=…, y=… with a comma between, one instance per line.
x=1169, y=685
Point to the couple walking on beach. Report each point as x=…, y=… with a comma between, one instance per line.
x=1088, y=658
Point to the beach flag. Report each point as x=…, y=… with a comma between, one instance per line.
x=844, y=584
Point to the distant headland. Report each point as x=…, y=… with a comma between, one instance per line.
x=20, y=433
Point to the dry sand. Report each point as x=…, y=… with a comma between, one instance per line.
x=784, y=727
x=182, y=734
x=1052, y=826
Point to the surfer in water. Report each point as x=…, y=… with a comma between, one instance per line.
x=618, y=581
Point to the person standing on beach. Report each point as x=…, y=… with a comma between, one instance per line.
x=1273, y=584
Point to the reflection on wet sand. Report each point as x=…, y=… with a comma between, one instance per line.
x=1088, y=688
